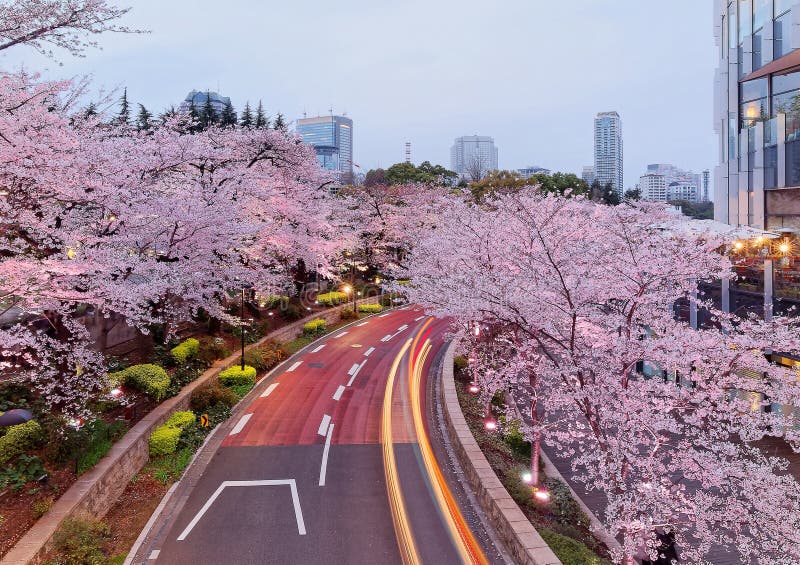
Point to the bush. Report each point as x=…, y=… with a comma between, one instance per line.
x=292, y=312
x=315, y=327
x=211, y=349
x=41, y=506
x=26, y=469
x=266, y=356
x=241, y=390
x=234, y=376
x=516, y=440
x=19, y=439
x=211, y=394
x=80, y=542
x=460, y=363
x=347, y=314
x=148, y=378
x=272, y=301
x=181, y=419
x=95, y=440
x=570, y=551
x=370, y=308
x=333, y=298
x=185, y=350
x=565, y=509
x=164, y=440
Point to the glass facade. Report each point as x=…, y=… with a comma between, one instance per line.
x=332, y=138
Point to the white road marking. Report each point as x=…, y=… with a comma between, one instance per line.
x=387, y=337
x=384, y=315
x=369, y=351
x=269, y=390
x=338, y=394
x=154, y=554
x=294, y=366
x=323, y=470
x=318, y=349
x=362, y=324
x=420, y=318
x=402, y=328
x=298, y=513
x=353, y=378
x=353, y=369
x=323, y=427
x=240, y=425
x=341, y=335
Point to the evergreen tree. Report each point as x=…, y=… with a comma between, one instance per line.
x=124, y=116
x=195, y=117
x=246, y=120
x=280, y=123
x=261, y=118
x=228, y=117
x=91, y=110
x=170, y=112
x=143, y=119
x=208, y=116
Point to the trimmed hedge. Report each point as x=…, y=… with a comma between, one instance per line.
x=315, y=327
x=333, y=298
x=164, y=440
x=19, y=439
x=184, y=351
x=235, y=376
x=148, y=378
x=370, y=308
x=181, y=419
x=570, y=551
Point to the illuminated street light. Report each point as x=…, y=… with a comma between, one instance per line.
x=474, y=389
x=347, y=289
x=116, y=392
x=738, y=245
x=490, y=425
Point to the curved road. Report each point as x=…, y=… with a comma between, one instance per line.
x=331, y=463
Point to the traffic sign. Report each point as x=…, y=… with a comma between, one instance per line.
x=204, y=420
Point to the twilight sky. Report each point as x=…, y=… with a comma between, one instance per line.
x=530, y=73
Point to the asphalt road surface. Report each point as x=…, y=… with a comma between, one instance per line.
x=333, y=462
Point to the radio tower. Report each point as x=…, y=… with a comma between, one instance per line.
x=408, y=151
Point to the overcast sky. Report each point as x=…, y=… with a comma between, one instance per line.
x=530, y=73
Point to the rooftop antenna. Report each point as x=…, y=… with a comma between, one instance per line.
x=408, y=151
x=305, y=115
x=330, y=110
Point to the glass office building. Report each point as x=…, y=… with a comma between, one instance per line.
x=757, y=114
x=332, y=139
x=608, y=167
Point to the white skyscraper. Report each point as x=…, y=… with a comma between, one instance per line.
x=608, y=150
x=587, y=174
x=473, y=156
x=653, y=186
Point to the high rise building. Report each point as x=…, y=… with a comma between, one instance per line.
x=528, y=172
x=332, y=138
x=608, y=150
x=653, y=186
x=705, y=195
x=473, y=156
x=673, y=176
x=757, y=96
x=588, y=174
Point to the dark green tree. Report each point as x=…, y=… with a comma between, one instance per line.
x=208, y=116
x=280, y=123
x=426, y=173
x=91, y=110
x=228, y=116
x=261, y=118
x=375, y=177
x=124, y=115
x=143, y=120
x=633, y=194
x=604, y=193
x=246, y=121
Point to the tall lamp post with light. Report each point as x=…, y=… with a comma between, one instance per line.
x=245, y=287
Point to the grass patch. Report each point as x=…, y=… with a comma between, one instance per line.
x=240, y=390
x=101, y=437
x=168, y=468
x=570, y=551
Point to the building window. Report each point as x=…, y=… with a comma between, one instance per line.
x=782, y=35
x=732, y=26
x=754, y=96
x=745, y=21
x=762, y=13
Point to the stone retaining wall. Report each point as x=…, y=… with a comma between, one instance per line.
x=95, y=492
x=512, y=526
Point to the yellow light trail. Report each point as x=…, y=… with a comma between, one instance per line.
x=402, y=527
x=467, y=546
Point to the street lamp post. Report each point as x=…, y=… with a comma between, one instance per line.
x=245, y=287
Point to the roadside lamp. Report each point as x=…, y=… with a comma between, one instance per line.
x=490, y=425
x=541, y=494
x=474, y=389
x=116, y=392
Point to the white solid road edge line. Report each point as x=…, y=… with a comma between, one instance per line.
x=338, y=394
x=298, y=513
x=241, y=424
x=269, y=390
x=369, y=351
x=294, y=366
x=318, y=349
x=323, y=427
x=323, y=470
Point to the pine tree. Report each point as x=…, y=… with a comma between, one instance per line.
x=261, y=119
x=124, y=116
x=208, y=116
x=195, y=118
x=279, y=124
x=246, y=120
x=170, y=112
x=143, y=119
x=91, y=110
x=228, y=117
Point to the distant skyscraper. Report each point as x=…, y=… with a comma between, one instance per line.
x=473, y=156
x=588, y=174
x=608, y=150
x=199, y=98
x=528, y=172
x=332, y=138
x=706, y=175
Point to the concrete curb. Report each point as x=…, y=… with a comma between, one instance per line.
x=512, y=526
x=95, y=492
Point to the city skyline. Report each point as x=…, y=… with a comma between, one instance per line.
x=159, y=69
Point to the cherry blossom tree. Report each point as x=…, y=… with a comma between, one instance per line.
x=571, y=298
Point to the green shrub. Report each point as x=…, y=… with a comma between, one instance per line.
x=181, y=419
x=333, y=298
x=315, y=327
x=460, y=363
x=370, y=308
x=27, y=468
x=41, y=506
x=19, y=439
x=241, y=390
x=347, y=314
x=192, y=436
x=516, y=440
x=236, y=376
x=211, y=349
x=570, y=551
x=564, y=507
x=272, y=301
x=148, y=378
x=292, y=312
x=169, y=467
x=219, y=412
x=211, y=394
x=95, y=440
x=184, y=351
x=80, y=542
x=164, y=440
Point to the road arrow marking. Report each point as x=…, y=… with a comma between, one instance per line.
x=323, y=470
